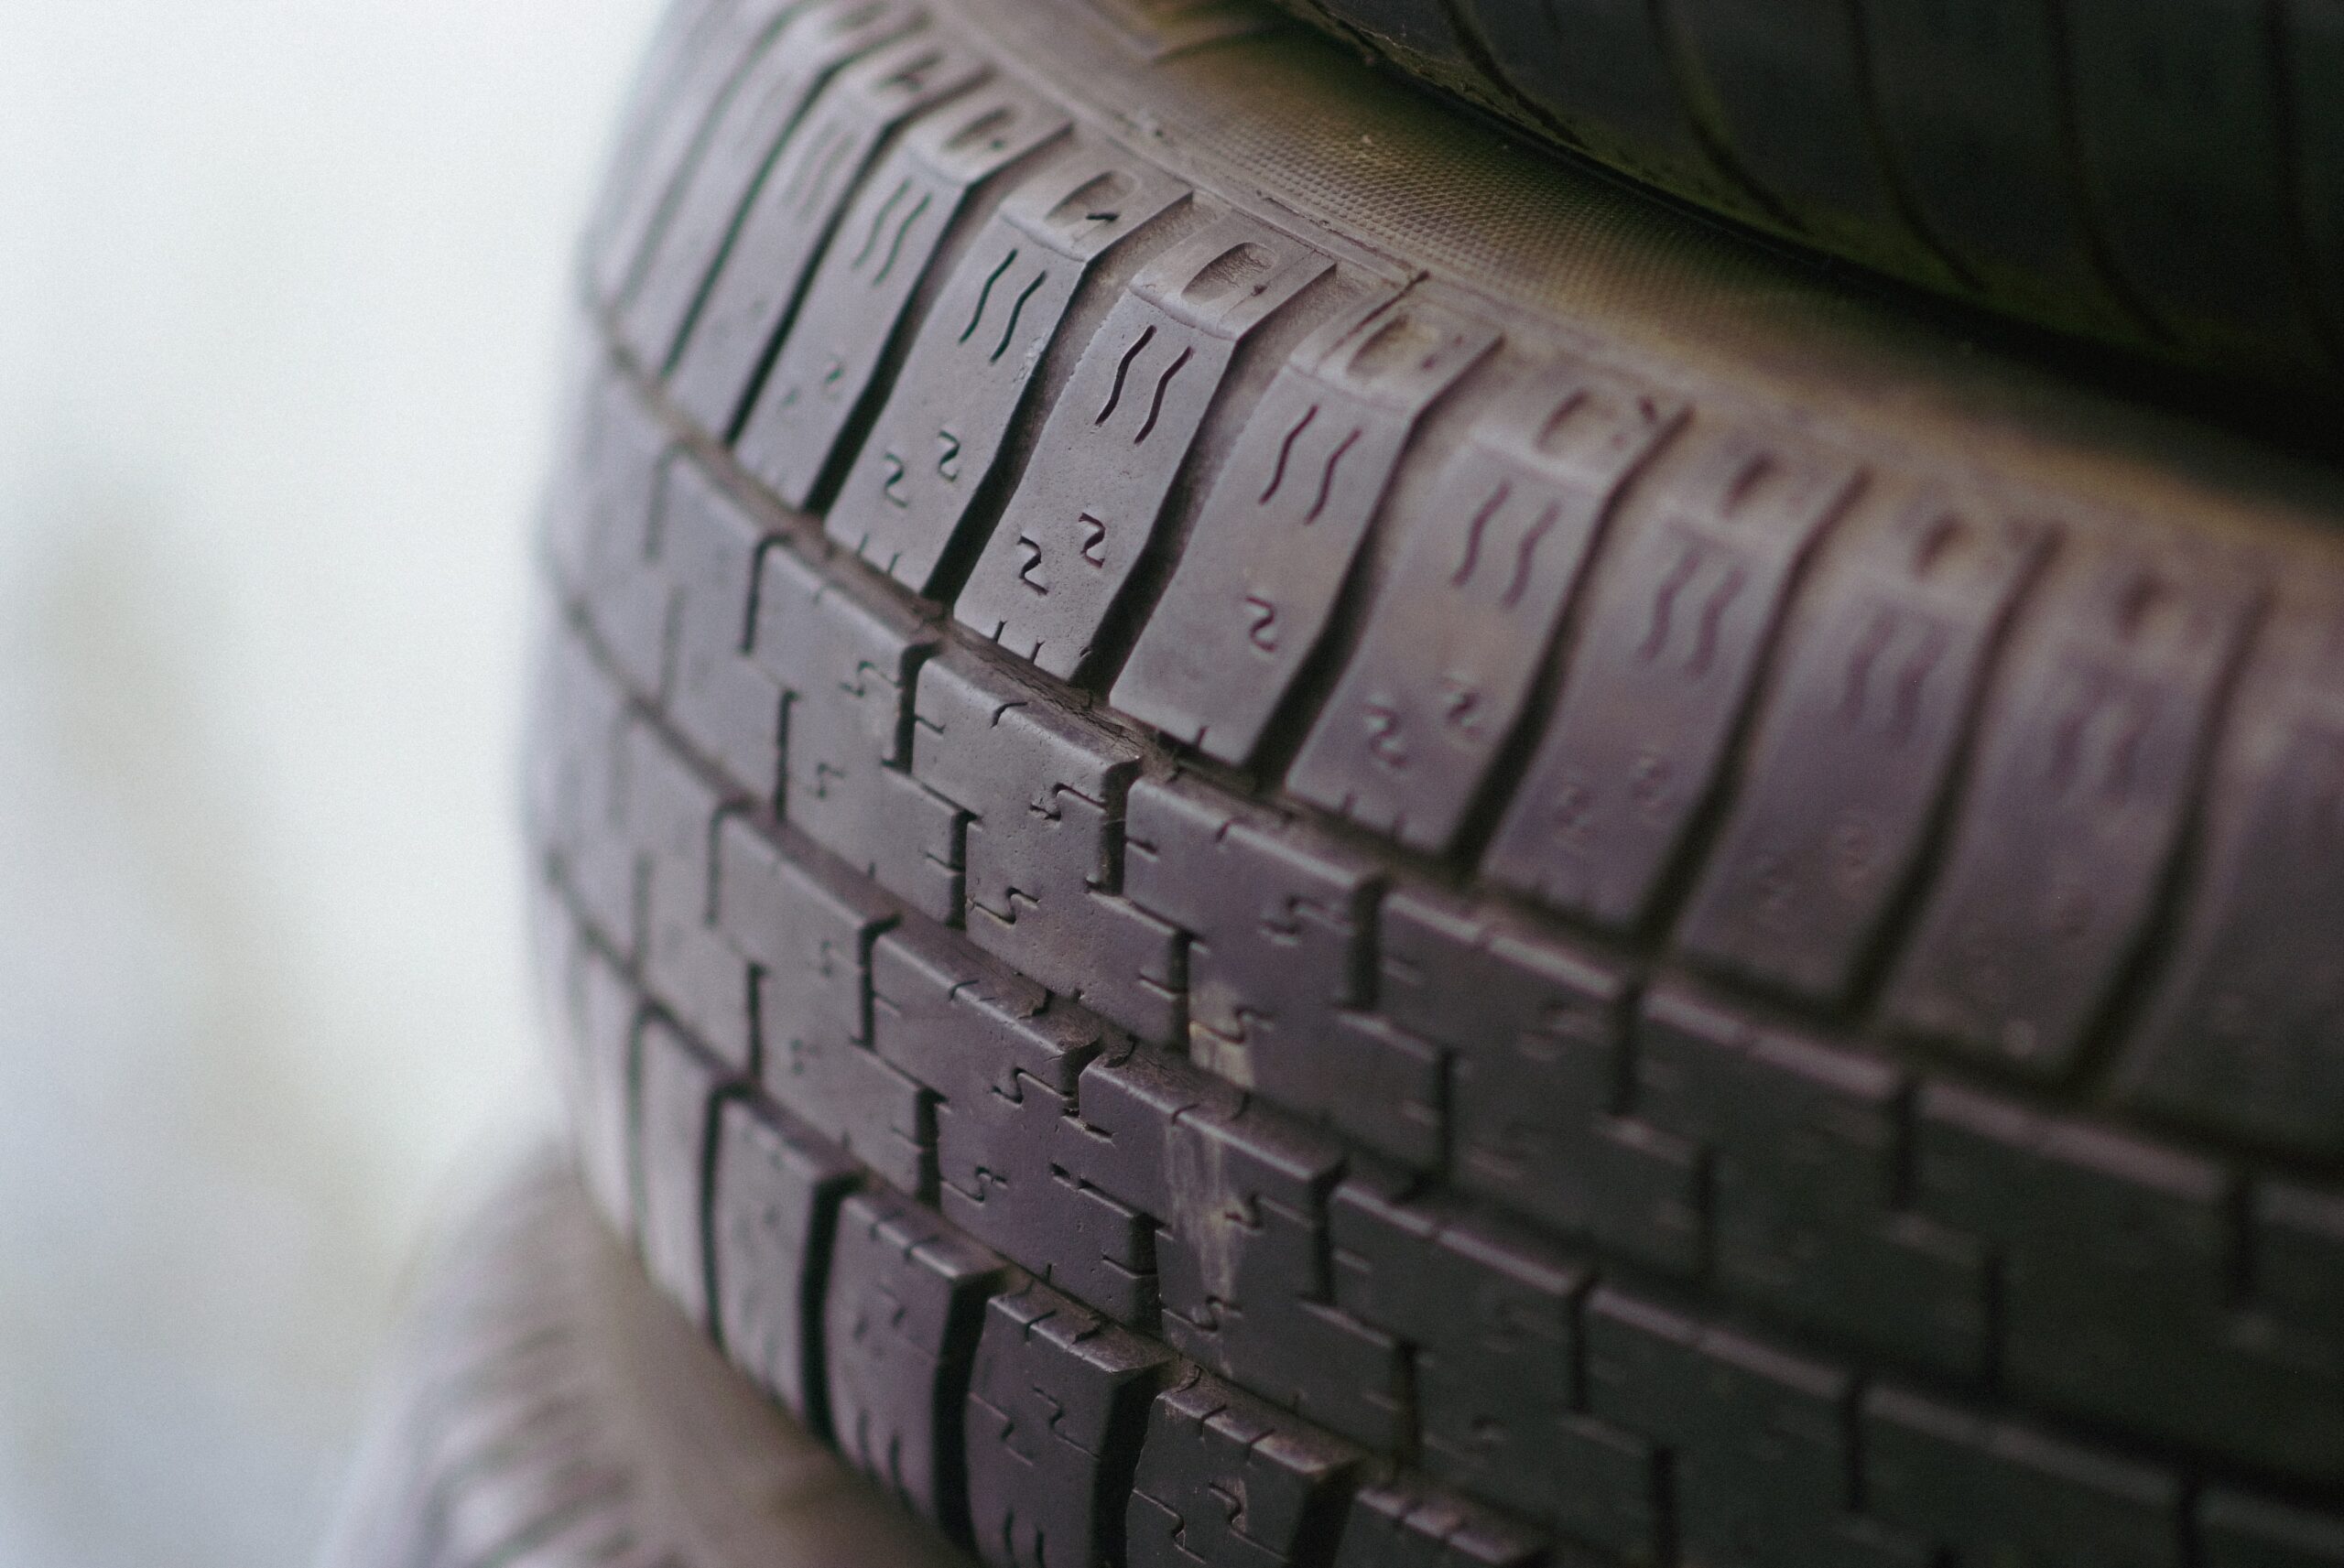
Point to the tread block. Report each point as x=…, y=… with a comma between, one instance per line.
x=602, y=524
x=687, y=964
x=720, y=363
x=2083, y=777
x=1226, y=1480
x=599, y=1077
x=2242, y=1038
x=1241, y=1249
x=2235, y=1530
x=1279, y=934
x=575, y=787
x=773, y=1212
x=1806, y=1143
x=605, y=874
x=934, y=446
x=889, y=238
x=1892, y=1280
x=1759, y=1440
x=630, y=603
x=1103, y=1254
x=1538, y=1037
x=1489, y=1317
x=2117, y=1257
x=1405, y=1524
x=743, y=148
x=689, y=33
x=1999, y=1492
x=810, y=944
x=673, y=133
x=1057, y=1405
x=1076, y=524
x=1461, y=625
x=1535, y=1036
x=1395, y=1105
x=1677, y=627
x=1854, y=754
x=1259, y=577
x=670, y=813
x=1648, y=1190
x=1610, y=1489
x=1002, y=1060
x=1128, y=1108
x=1815, y=1121
x=674, y=1122
x=900, y=1324
x=1041, y=854
x=2296, y=1256
x=718, y=698
x=1242, y=1262
x=846, y=671
x=598, y=510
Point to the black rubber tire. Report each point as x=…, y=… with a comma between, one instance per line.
x=1626, y=898
x=2164, y=173
x=548, y=1410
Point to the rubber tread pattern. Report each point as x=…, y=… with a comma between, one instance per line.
x=1406, y=739
x=1322, y=446
x=777, y=1192
x=1395, y=1324
x=943, y=432
x=892, y=235
x=1228, y=1073
x=1075, y=527
x=546, y=1408
x=1055, y=1401
x=2161, y=173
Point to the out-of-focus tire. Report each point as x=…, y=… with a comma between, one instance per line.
x=549, y=1410
x=2164, y=173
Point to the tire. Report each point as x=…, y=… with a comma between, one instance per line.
x=2167, y=174
x=1639, y=909
x=550, y=1411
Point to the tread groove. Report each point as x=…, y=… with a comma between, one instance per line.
x=1060, y=995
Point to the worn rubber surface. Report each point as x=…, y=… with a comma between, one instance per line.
x=2167, y=173
x=1638, y=899
x=550, y=1411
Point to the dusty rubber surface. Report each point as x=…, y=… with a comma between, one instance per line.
x=549, y=1410
x=1640, y=908
x=2164, y=173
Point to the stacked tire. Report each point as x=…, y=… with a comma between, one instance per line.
x=1267, y=833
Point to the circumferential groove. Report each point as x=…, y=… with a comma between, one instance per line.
x=1234, y=904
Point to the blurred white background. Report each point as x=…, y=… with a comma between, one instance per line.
x=278, y=309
